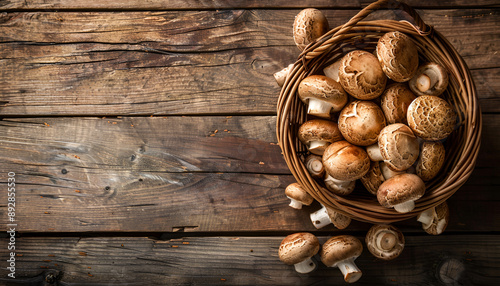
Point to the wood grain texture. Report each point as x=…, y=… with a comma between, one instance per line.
x=191, y=62
x=426, y=260
x=89, y=174
x=221, y=4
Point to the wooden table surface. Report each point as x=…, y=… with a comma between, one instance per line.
x=142, y=137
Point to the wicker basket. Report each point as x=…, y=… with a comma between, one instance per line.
x=462, y=146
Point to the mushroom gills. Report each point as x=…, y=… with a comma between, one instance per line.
x=339, y=187
x=349, y=269
x=319, y=108
x=405, y=207
x=320, y=218
x=305, y=266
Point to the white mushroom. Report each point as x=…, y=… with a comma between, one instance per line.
x=360, y=122
x=298, y=196
x=297, y=249
x=398, y=56
x=431, y=118
x=317, y=134
x=430, y=79
x=400, y=192
x=341, y=251
x=326, y=216
x=434, y=220
x=322, y=95
x=309, y=25
x=385, y=241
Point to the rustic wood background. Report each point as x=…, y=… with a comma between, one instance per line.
x=142, y=135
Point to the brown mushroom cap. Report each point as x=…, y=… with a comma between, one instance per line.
x=395, y=101
x=309, y=25
x=299, y=194
x=430, y=79
x=346, y=162
x=340, y=248
x=385, y=241
x=319, y=130
x=361, y=76
x=431, y=118
x=400, y=189
x=325, y=93
x=298, y=247
x=360, y=122
x=280, y=76
x=398, y=56
x=373, y=178
x=431, y=160
x=439, y=217
x=399, y=146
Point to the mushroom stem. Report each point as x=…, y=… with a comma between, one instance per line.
x=339, y=187
x=405, y=207
x=386, y=240
x=387, y=172
x=440, y=226
x=320, y=218
x=349, y=269
x=305, y=266
x=295, y=204
x=315, y=166
x=423, y=83
x=317, y=147
x=319, y=108
x=426, y=217
x=282, y=74
x=374, y=152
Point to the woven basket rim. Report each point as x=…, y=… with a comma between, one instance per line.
x=461, y=94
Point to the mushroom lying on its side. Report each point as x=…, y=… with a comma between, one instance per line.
x=341, y=251
x=298, y=196
x=430, y=79
x=280, y=76
x=322, y=95
x=317, y=134
x=400, y=192
x=332, y=71
x=297, y=249
x=309, y=25
x=326, y=215
x=435, y=220
x=314, y=165
x=385, y=241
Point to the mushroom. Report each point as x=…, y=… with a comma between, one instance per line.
x=298, y=196
x=332, y=71
x=387, y=172
x=317, y=134
x=361, y=76
x=309, y=25
x=326, y=215
x=397, y=147
x=373, y=178
x=395, y=101
x=297, y=249
x=360, y=122
x=431, y=160
x=341, y=251
x=400, y=192
x=430, y=79
x=434, y=220
x=322, y=95
x=339, y=187
x=314, y=165
x=431, y=118
x=398, y=56
x=385, y=241
x=282, y=74
x=345, y=162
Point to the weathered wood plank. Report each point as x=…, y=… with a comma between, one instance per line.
x=426, y=260
x=160, y=167
x=209, y=62
x=222, y=4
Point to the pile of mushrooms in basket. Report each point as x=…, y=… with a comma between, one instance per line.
x=374, y=118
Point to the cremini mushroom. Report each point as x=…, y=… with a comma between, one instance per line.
x=395, y=101
x=339, y=187
x=397, y=146
x=317, y=134
x=385, y=241
x=400, y=192
x=387, y=172
x=398, y=56
x=298, y=196
x=314, y=165
x=360, y=122
x=431, y=118
x=345, y=162
x=361, y=76
x=309, y=25
x=434, y=220
x=297, y=249
x=341, y=251
x=430, y=79
x=431, y=160
x=373, y=178
x=332, y=71
x=280, y=76
x=325, y=216
x=322, y=95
